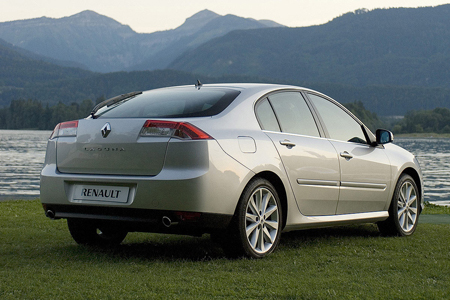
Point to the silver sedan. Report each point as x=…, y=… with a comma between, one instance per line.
x=242, y=162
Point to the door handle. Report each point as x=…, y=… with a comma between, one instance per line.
x=346, y=155
x=287, y=143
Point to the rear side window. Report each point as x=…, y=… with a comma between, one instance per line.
x=293, y=114
x=181, y=102
x=266, y=117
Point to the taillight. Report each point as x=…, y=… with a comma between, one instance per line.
x=65, y=129
x=180, y=130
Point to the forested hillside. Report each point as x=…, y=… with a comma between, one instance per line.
x=383, y=100
x=33, y=114
x=18, y=70
x=392, y=61
x=396, y=47
x=429, y=121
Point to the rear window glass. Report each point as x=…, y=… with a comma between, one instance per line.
x=172, y=103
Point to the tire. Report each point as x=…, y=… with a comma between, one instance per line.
x=86, y=232
x=404, y=209
x=256, y=229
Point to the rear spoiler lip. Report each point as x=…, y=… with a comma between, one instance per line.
x=112, y=101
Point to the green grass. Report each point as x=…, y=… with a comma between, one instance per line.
x=431, y=209
x=39, y=260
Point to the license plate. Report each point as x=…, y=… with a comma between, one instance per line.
x=101, y=193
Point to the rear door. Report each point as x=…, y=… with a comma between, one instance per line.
x=310, y=161
x=365, y=170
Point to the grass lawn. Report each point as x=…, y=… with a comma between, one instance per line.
x=39, y=260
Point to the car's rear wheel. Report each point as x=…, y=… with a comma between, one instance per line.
x=404, y=209
x=256, y=229
x=86, y=232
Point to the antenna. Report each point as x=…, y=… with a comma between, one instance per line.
x=198, y=85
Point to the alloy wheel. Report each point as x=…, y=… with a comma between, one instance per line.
x=407, y=206
x=262, y=220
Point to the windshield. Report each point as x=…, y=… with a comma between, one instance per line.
x=172, y=103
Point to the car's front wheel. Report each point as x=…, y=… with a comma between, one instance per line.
x=404, y=209
x=86, y=232
x=257, y=227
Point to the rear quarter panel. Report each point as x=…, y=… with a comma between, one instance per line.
x=234, y=130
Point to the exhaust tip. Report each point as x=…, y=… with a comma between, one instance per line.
x=166, y=221
x=50, y=214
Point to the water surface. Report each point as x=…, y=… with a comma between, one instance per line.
x=434, y=158
x=22, y=155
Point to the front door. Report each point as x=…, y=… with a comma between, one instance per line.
x=365, y=170
x=365, y=178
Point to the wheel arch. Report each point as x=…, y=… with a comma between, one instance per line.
x=415, y=175
x=281, y=190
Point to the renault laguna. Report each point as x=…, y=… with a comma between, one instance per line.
x=241, y=162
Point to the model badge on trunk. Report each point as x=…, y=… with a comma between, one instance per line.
x=106, y=130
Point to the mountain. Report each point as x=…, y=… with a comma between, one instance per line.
x=105, y=45
x=397, y=46
x=392, y=60
x=34, y=56
x=24, y=78
x=17, y=71
x=216, y=27
x=87, y=38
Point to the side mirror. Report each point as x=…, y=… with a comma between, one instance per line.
x=384, y=136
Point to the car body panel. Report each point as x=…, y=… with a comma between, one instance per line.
x=366, y=173
x=122, y=152
x=176, y=187
x=208, y=176
x=313, y=170
x=403, y=161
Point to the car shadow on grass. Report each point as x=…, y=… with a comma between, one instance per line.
x=319, y=235
x=172, y=248
x=162, y=249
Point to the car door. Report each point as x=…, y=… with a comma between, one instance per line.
x=365, y=169
x=310, y=161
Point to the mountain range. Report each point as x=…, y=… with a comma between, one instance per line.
x=392, y=60
x=99, y=43
x=397, y=46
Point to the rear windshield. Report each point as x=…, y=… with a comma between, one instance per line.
x=172, y=103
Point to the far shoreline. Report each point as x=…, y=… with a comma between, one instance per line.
x=423, y=135
x=18, y=197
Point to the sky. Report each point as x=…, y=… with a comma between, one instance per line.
x=146, y=16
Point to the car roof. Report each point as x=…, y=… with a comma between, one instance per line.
x=255, y=87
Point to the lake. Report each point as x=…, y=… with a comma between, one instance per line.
x=22, y=154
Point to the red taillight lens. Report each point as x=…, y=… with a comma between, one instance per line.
x=65, y=129
x=181, y=130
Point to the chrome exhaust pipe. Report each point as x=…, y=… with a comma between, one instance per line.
x=167, y=222
x=50, y=214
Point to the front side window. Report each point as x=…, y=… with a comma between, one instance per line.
x=339, y=124
x=293, y=114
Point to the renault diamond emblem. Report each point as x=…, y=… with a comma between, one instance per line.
x=106, y=129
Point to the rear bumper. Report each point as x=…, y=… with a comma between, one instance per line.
x=142, y=220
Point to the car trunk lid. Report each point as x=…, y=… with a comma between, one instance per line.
x=111, y=147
